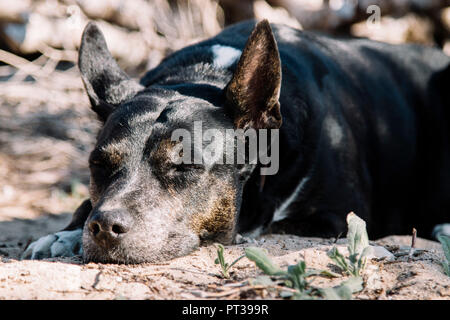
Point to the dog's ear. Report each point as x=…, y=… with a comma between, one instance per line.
x=254, y=89
x=106, y=84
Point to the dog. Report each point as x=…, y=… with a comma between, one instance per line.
x=362, y=126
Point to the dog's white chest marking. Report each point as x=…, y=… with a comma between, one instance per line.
x=334, y=131
x=224, y=56
x=282, y=211
x=253, y=234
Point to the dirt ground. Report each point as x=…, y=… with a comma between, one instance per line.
x=46, y=133
x=197, y=277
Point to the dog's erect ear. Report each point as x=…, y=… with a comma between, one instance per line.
x=254, y=90
x=106, y=84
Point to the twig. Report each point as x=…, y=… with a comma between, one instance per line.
x=32, y=69
x=413, y=244
x=58, y=55
x=20, y=63
x=338, y=237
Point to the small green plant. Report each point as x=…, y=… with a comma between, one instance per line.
x=343, y=291
x=445, y=241
x=221, y=260
x=295, y=277
x=358, y=246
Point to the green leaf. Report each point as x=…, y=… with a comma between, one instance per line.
x=262, y=261
x=298, y=269
x=338, y=258
x=357, y=236
x=365, y=252
x=262, y=280
x=220, y=259
x=446, y=267
x=445, y=241
x=235, y=261
x=297, y=274
x=330, y=294
x=343, y=291
x=353, y=258
x=303, y=296
x=355, y=284
x=362, y=259
x=326, y=273
x=288, y=283
x=286, y=294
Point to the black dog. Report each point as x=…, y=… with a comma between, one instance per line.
x=364, y=127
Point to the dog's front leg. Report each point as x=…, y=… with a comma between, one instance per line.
x=65, y=243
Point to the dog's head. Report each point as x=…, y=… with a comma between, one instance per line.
x=153, y=200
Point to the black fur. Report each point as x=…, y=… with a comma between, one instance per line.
x=364, y=128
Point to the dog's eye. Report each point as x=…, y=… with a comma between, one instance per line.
x=96, y=163
x=104, y=161
x=100, y=167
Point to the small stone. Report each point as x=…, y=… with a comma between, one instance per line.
x=379, y=252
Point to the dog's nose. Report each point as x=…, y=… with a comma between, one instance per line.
x=107, y=227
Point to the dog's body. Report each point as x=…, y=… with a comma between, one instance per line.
x=365, y=128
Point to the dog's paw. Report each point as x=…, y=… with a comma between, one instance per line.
x=441, y=229
x=60, y=244
x=240, y=239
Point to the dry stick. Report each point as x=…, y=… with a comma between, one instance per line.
x=6, y=70
x=413, y=244
x=32, y=69
x=29, y=240
x=20, y=63
x=338, y=237
x=58, y=55
x=21, y=74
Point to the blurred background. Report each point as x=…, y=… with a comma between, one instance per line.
x=46, y=127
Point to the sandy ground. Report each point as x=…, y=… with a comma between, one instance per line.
x=197, y=277
x=45, y=139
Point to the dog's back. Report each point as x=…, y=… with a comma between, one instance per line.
x=366, y=122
